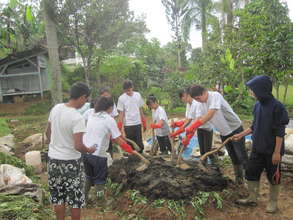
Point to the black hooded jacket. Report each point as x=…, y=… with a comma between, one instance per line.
x=270, y=116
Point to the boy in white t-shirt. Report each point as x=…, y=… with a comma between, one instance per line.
x=101, y=127
x=220, y=114
x=160, y=124
x=131, y=114
x=64, y=132
x=193, y=112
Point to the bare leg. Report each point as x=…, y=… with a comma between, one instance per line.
x=75, y=213
x=60, y=211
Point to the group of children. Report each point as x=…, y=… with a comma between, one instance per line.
x=74, y=143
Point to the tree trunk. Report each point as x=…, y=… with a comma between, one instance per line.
x=286, y=84
x=54, y=62
x=203, y=26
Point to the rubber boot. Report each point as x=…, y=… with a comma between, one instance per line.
x=87, y=188
x=253, y=189
x=238, y=172
x=272, y=207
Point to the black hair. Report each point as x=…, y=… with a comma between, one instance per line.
x=92, y=105
x=182, y=92
x=103, y=103
x=79, y=89
x=196, y=90
x=151, y=99
x=127, y=84
x=104, y=89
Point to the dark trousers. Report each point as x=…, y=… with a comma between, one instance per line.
x=110, y=149
x=236, y=149
x=96, y=168
x=257, y=163
x=134, y=133
x=164, y=143
x=205, y=141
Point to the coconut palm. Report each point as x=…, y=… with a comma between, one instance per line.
x=197, y=14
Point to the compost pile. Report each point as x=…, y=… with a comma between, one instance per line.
x=163, y=180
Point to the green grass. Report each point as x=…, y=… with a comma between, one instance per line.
x=289, y=99
x=4, y=129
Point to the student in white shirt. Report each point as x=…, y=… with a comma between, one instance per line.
x=131, y=115
x=194, y=111
x=64, y=132
x=106, y=93
x=160, y=124
x=225, y=120
x=101, y=127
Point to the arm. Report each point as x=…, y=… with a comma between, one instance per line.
x=202, y=120
x=48, y=132
x=240, y=135
x=276, y=159
x=157, y=125
x=123, y=144
x=79, y=146
x=120, y=120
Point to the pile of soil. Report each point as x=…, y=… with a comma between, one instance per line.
x=163, y=180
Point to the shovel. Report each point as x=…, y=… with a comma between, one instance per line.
x=154, y=148
x=203, y=157
x=145, y=161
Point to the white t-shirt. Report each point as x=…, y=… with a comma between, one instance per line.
x=194, y=111
x=158, y=115
x=100, y=127
x=65, y=121
x=224, y=120
x=84, y=108
x=91, y=111
x=130, y=105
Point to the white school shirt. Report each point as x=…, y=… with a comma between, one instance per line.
x=130, y=105
x=225, y=120
x=100, y=127
x=194, y=111
x=158, y=115
x=91, y=111
x=65, y=121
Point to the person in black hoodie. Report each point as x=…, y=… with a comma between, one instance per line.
x=268, y=131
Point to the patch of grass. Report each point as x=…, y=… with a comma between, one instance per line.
x=12, y=160
x=22, y=208
x=38, y=108
x=4, y=129
x=289, y=99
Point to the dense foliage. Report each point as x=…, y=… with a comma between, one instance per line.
x=240, y=39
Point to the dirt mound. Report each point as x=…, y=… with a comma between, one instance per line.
x=163, y=180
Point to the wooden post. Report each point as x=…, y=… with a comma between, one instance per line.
x=40, y=77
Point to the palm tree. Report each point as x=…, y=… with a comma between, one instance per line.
x=175, y=11
x=197, y=14
x=52, y=44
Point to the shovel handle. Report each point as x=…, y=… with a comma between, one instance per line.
x=132, y=143
x=146, y=161
x=203, y=157
x=180, y=156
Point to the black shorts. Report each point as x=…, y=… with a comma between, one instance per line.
x=257, y=163
x=96, y=169
x=66, y=182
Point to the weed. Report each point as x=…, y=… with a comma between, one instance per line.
x=4, y=129
x=137, y=198
x=114, y=188
x=12, y=160
x=177, y=207
x=158, y=203
x=202, y=198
